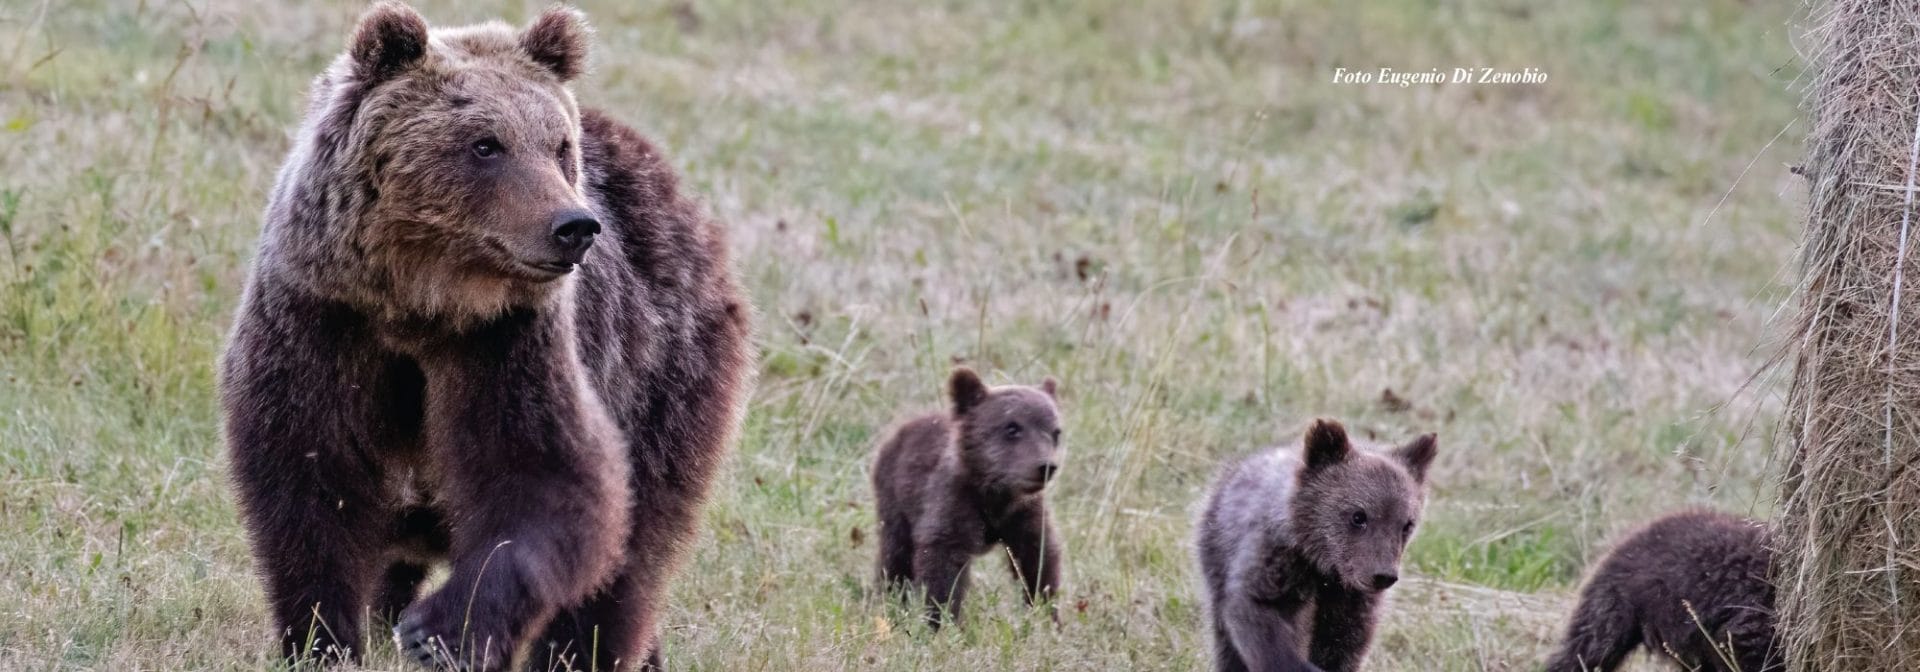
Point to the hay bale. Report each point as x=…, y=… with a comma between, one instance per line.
x=1848, y=568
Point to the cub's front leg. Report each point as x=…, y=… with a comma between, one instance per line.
x=532, y=472
x=940, y=567
x=1264, y=634
x=1343, y=621
x=1034, y=549
x=1262, y=602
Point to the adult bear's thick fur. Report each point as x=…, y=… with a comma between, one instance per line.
x=485, y=327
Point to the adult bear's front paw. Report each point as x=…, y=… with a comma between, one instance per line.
x=443, y=638
x=423, y=647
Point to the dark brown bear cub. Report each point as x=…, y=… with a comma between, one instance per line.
x=483, y=327
x=951, y=486
x=1297, y=544
x=1691, y=586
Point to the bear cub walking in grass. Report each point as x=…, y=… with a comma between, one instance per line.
x=950, y=487
x=1691, y=586
x=1297, y=544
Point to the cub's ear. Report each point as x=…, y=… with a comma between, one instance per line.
x=558, y=40
x=391, y=38
x=967, y=390
x=1049, y=386
x=1418, y=455
x=1326, y=444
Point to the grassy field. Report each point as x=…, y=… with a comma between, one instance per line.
x=1167, y=205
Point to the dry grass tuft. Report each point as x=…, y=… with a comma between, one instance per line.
x=1849, y=521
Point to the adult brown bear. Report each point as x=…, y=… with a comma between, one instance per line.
x=485, y=327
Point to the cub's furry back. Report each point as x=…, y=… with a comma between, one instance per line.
x=1691, y=586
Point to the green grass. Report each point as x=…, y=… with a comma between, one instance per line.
x=1166, y=205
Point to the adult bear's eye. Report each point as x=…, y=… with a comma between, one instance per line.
x=488, y=148
x=1408, y=530
x=1359, y=519
x=566, y=150
x=1012, y=431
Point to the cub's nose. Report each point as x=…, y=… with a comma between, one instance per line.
x=1385, y=581
x=1046, y=471
x=573, y=233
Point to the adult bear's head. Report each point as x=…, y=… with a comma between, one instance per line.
x=439, y=172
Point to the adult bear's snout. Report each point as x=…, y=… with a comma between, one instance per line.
x=573, y=233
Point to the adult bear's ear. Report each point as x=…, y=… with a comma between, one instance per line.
x=1049, y=385
x=391, y=38
x=1418, y=455
x=558, y=41
x=1326, y=444
x=967, y=390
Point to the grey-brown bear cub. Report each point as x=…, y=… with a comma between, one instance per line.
x=951, y=486
x=1296, y=545
x=1691, y=586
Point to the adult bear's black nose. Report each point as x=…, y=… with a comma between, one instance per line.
x=1047, y=471
x=573, y=232
x=1385, y=581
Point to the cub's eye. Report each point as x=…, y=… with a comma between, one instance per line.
x=564, y=151
x=1408, y=530
x=488, y=148
x=1012, y=431
x=1056, y=437
x=1359, y=519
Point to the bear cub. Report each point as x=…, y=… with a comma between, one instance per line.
x=1691, y=586
x=951, y=486
x=1297, y=545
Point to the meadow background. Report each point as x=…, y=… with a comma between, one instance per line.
x=1166, y=205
